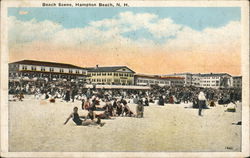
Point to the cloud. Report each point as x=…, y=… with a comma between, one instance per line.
x=107, y=33
x=222, y=39
x=23, y=12
x=29, y=31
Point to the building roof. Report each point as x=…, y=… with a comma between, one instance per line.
x=198, y=74
x=107, y=68
x=176, y=74
x=237, y=76
x=215, y=74
x=158, y=77
x=45, y=63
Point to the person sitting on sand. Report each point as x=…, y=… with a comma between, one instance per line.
x=119, y=108
x=21, y=96
x=115, y=104
x=104, y=115
x=108, y=107
x=127, y=111
x=86, y=105
x=76, y=118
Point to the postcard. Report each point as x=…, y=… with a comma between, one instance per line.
x=124, y=78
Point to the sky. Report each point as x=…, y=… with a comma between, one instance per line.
x=151, y=40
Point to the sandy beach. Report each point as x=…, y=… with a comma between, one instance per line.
x=37, y=125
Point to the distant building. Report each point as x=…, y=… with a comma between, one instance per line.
x=115, y=75
x=32, y=69
x=187, y=77
x=148, y=80
x=237, y=81
x=207, y=80
x=215, y=80
x=196, y=80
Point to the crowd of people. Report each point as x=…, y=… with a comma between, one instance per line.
x=116, y=100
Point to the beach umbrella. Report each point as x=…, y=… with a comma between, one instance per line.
x=34, y=79
x=26, y=78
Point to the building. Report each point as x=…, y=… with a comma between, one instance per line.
x=115, y=75
x=196, y=80
x=31, y=69
x=207, y=80
x=215, y=80
x=237, y=81
x=187, y=77
x=148, y=80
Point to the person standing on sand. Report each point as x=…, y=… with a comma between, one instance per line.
x=67, y=95
x=202, y=101
x=139, y=109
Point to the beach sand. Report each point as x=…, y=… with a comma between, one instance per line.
x=37, y=125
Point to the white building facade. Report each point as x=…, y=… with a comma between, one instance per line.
x=207, y=80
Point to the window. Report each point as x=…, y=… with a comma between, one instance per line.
x=77, y=71
x=61, y=70
x=51, y=69
x=115, y=74
x=103, y=74
x=93, y=74
x=70, y=71
x=24, y=67
x=109, y=74
x=33, y=68
x=42, y=68
x=103, y=80
x=98, y=74
x=120, y=74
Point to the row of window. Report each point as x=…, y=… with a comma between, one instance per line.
x=101, y=80
x=211, y=77
x=33, y=68
x=237, y=81
x=213, y=85
x=210, y=81
x=110, y=80
x=152, y=81
x=110, y=74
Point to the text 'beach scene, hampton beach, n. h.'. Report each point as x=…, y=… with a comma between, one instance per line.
x=155, y=79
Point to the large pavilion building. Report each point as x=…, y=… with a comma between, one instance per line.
x=32, y=69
